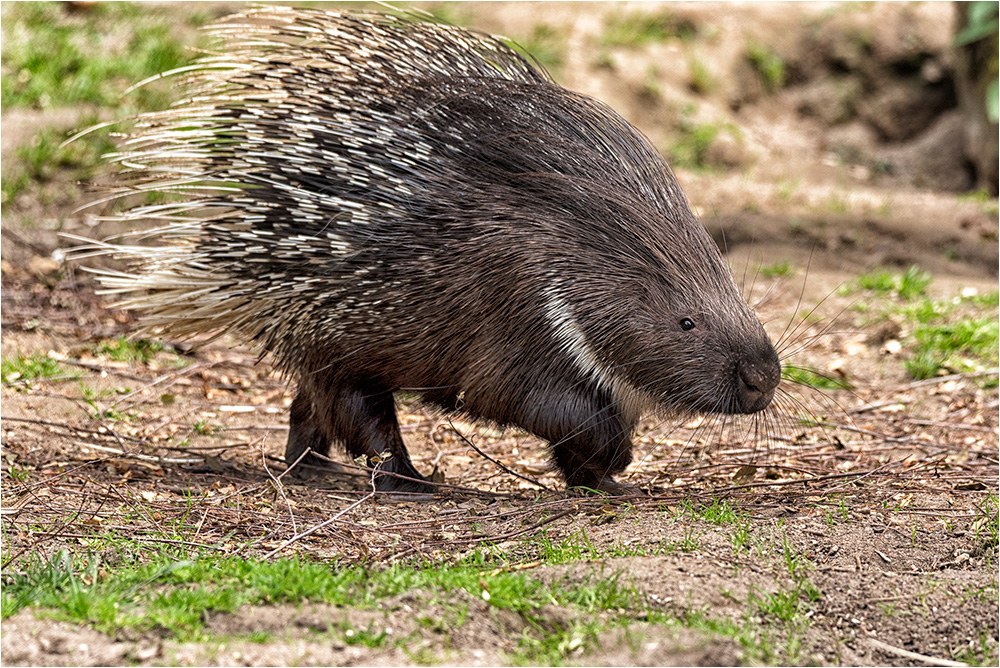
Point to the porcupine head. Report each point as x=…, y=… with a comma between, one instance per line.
x=399, y=206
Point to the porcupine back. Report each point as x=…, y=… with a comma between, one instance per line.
x=414, y=206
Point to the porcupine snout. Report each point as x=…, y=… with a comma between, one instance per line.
x=758, y=373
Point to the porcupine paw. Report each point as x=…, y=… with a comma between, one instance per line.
x=610, y=488
x=606, y=485
x=398, y=476
x=414, y=490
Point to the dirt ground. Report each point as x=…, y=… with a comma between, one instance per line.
x=889, y=500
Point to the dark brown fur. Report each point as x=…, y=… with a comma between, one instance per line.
x=522, y=254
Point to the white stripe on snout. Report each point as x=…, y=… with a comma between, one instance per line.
x=574, y=342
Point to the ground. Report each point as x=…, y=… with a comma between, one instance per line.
x=854, y=524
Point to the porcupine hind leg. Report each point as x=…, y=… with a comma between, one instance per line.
x=305, y=435
x=363, y=419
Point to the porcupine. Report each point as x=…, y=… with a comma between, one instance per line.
x=387, y=205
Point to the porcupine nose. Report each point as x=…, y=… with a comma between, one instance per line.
x=757, y=376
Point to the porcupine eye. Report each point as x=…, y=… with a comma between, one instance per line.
x=687, y=324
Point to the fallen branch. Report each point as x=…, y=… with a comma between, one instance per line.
x=276, y=481
x=146, y=458
x=907, y=654
x=324, y=523
x=495, y=462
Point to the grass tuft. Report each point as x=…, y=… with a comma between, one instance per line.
x=545, y=44
x=692, y=148
x=177, y=596
x=124, y=349
x=958, y=346
x=908, y=285
x=769, y=66
x=55, y=57
x=22, y=370
x=945, y=335
x=639, y=28
x=812, y=378
x=45, y=157
x=776, y=270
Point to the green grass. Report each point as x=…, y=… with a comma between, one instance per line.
x=787, y=609
x=769, y=66
x=46, y=153
x=124, y=349
x=776, y=270
x=983, y=654
x=637, y=29
x=90, y=396
x=987, y=528
x=168, y=592
x=175, y=596
x=811, y=378
x=838, y=204
x=691, y=149
x=546, y=44
x=959, y=346
x=56, y=57
x=944, y=335
x=720, y=512
x=45, y=156
x=454, y=13
x=947, y=335
x=203, y=428
x=785, y=190
x=879, y=280
x=22, y=370
x=980, y=196
x=700, y=76
x=988, y=203
x=172, y=592
x=911, y=283
x=577, y=546
x=786, y=604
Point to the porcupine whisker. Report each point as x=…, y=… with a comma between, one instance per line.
x=764, y=297
x=791, y=406
x=839, y=408
x=793, y=346
x=791, y=337
x=816, y=372
x=704, y=434
x=711, y=422
x=786, y=404
x=756, y=273
x=803, y=343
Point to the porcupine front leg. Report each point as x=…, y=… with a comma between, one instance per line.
x=363, y=419
x=591, y=456
x=591, y=441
